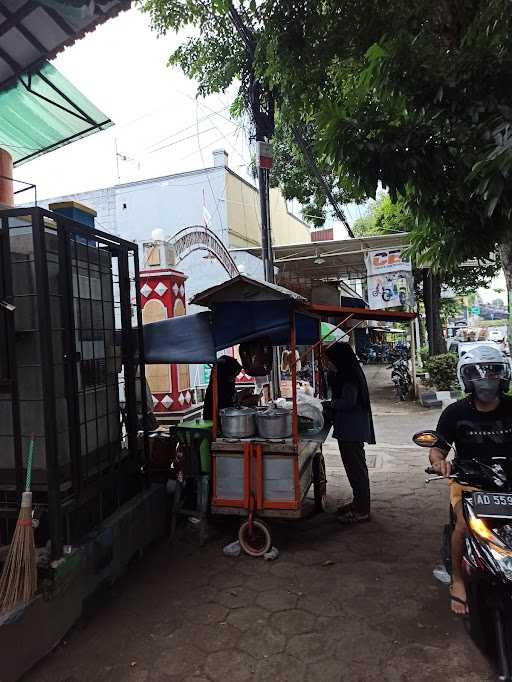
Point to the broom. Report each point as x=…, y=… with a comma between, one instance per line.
x=18, y=583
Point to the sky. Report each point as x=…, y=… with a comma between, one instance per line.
x=161, y=127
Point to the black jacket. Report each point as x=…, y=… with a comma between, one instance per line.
x=353, y=421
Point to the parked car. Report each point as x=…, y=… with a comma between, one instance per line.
x=499, y=336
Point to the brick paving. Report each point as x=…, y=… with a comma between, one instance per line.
x=341, y=603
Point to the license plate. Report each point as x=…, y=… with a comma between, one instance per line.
x=492, y=505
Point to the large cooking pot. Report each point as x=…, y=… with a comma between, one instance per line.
x=274, y=423
x=238, y=422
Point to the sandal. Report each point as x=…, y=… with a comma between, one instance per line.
x=352, y=516
x=344, y=508
x=458, y=600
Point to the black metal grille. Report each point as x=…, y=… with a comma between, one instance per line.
x=71, y=372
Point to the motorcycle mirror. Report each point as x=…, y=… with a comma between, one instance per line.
x=429, y=439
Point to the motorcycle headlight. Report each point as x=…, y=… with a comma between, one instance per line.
x=480, y=528
x=484, y=532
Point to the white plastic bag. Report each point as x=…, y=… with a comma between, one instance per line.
x=311, y=408
x=233, y=549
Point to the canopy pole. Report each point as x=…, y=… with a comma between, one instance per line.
x=215, y=402
x=293, y=344
x=315, y=345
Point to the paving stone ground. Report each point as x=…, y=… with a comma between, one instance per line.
x=340, y=604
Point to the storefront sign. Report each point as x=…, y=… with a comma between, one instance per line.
x=385, y=261
x=389, y=279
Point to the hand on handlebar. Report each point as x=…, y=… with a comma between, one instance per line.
x=442, y=468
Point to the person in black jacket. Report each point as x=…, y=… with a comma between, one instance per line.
x=353, y=426
x=227, y=371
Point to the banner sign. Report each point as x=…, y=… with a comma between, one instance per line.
x=385, y=261
x=389, y=279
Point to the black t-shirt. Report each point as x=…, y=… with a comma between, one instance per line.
x=478, y=435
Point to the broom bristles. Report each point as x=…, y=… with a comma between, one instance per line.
x=18, y=582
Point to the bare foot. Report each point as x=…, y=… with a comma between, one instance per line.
x=458, y=598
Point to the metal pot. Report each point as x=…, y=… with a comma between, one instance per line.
x=238, y=422
x=274, y=423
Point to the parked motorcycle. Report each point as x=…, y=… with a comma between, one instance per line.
x=369, y=355
x=487, y=558
x=401, y=378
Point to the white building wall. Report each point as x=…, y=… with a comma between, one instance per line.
x=134, y=210
x=171, y=203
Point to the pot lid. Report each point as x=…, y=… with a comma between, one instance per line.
x=274, y=412
x=236, y=411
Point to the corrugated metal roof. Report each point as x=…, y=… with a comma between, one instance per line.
x=331, y=259
x=243, y=288
x=33, y=32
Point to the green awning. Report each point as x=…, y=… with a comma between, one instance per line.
x=44, y=111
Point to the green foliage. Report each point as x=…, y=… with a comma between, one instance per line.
x=217, y=56
x=450, y=308
x=292, y=174
x=214, y=54
x=424, y=354
x=416, y=97
x=413, y=97
x=383, y=216
x=442, y=370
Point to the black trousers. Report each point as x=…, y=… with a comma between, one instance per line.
x=354, y=461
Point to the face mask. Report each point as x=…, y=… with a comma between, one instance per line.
x=486, y=390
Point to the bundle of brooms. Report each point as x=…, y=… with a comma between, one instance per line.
x=18, y=582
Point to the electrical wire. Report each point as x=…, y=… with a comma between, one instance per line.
x=210, y=144
x=183, y=130
x=208, y=176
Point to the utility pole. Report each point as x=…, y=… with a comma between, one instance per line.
x=264, y=161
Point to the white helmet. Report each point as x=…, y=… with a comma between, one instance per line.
x=481, y=362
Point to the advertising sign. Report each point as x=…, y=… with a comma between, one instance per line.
x=385, y=261
x=389, y=279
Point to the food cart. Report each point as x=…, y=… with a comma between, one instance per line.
x=254, y=477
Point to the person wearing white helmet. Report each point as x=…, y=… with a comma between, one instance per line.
x=480, y=425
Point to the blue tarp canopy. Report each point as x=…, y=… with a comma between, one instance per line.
x=196, y=339
x=187, y=340
x=242, y=309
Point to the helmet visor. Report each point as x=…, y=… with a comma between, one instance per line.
x=492, y=370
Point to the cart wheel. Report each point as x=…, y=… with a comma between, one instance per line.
x=255, y=541
x=319, y=483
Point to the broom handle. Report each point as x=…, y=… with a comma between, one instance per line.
x=30, y=457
